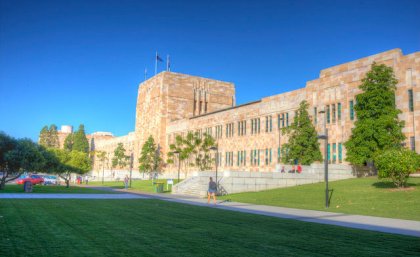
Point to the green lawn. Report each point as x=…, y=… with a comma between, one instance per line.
x=137, y=185
x=54, y=189
x=157, y=228
x=365, y=196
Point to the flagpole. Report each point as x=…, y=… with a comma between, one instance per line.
x=145, y=74
x=156, y=60
x=167, y=63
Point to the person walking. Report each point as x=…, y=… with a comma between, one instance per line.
x=86, y=179
x=212, y=191
x=126, y=181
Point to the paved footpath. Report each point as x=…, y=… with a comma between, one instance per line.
x=386, y=225
x=70, y=196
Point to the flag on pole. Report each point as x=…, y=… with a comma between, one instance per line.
x=158, y=58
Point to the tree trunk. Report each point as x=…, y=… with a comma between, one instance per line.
x=67, y=183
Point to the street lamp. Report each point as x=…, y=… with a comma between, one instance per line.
x=279, y=149
x=131, y=164
x=215, y=148
x=325, y=138
x=179, y=163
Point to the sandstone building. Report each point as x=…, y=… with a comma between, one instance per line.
x=248, y=137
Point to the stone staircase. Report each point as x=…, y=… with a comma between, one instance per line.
x=191, y=186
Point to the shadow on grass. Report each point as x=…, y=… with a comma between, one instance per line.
x=389, y=184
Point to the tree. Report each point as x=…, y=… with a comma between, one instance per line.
x=48, y=137
x=102, y=159
x=397, y=164
x=43, y=136
x=303, y=142
x=71, y=162
x=68, y=142
x=203, y=158
x=377, y=127
x=150, y=157
x=80, y=142
x=18, y=156
x=120, y=159
x=193, y=146
x=53, y=137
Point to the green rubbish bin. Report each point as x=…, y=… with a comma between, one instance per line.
x=159, y=187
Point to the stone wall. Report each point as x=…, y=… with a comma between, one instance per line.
x=231, y=182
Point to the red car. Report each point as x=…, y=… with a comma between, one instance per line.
x=35, y=179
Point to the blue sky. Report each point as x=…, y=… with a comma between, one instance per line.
x=72, y=62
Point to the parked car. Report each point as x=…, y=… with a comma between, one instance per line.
x=35, y=179
x=50, y=180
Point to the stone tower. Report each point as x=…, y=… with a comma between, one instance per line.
x=170, y=96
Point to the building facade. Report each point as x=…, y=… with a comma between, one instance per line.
x=248, y=135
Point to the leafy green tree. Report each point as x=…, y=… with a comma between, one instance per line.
x=53, y=137
x=71, y=162
x=195, y=147
x=377, y=127
x=80, y=142
x=17, y=157
x=150, y=157
x=203, y=159
x=120, y=159
x=68, y=142
x=44, y=136
x=303, y=142
x=48, y=137
x=397, y=164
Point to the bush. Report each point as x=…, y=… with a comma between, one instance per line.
x=397, y=164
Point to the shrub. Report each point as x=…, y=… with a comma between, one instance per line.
x=397, y=164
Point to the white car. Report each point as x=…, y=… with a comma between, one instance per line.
x=50, y=180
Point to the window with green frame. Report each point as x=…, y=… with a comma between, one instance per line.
x=340, y=152
x=266, y=156
x=258, y=157
x=334, y=150
x=238, y=159
x=278, y=155
x=315, y=116
x=328, y=114
x=339, y=111
x=410, y=100
x=287, y=119
x=328, y=153
x=282, y=120
x=351, y=110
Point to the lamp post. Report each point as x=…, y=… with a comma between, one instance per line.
x=179, y=163
x=278, y=125
x=325, y=138
x=215, y=148
x=131, y=165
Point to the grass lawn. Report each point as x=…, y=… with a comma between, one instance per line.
x=53, y=190
x=137, y=185
x=157, y=228
x=365, y=196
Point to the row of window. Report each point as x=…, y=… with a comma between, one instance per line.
x=333, y=150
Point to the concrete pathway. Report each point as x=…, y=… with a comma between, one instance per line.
x=70, y=196
x=386, y=225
